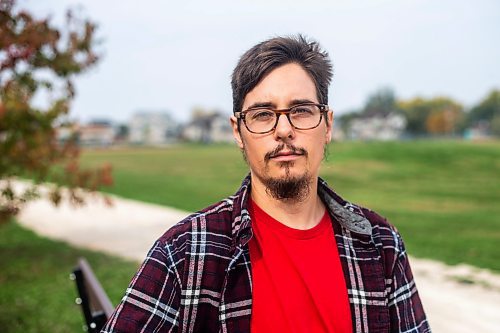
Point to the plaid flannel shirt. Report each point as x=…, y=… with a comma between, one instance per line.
x=197, y=276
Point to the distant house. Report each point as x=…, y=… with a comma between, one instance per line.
x=67, y=132
x=152, y=128
x=208, y=128
x=377, y=127
x=337, y=132
x=478, y=131
x=100, y=133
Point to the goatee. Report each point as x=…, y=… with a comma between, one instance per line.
x=292, y=189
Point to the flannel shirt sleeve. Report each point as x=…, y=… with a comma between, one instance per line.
x=151, y=301
x=405, y=307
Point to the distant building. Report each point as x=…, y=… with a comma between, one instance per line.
x=152, y=128
x=100, y=133
x=377, y=127
x=67, y=132
x=337, y=132
x=208, y=128
x=478, y=131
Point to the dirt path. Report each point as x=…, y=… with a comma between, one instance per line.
x=457, y=299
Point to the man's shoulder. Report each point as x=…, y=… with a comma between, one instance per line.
x=213, y=223
x=382, y=232
x=381, y=227
x=356, y=217
x=377, y=221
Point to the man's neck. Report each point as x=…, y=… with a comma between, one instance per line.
x=304, y=214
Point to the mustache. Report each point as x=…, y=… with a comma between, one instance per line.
x=281, y=147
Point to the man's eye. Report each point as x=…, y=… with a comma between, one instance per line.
x=302, y=111
x=262, y=115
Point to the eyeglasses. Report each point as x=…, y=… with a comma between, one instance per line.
x=262, y=120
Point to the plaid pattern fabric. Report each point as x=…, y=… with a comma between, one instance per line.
x=197, y=276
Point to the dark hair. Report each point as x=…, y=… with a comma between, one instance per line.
x=275, y=52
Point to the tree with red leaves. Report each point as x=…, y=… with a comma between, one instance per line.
x=36, y=57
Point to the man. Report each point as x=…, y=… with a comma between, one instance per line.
x=285, y=253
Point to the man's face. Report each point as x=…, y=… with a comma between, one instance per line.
x=286, y=153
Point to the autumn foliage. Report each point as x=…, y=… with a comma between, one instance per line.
x=439, y=116
x=37, y=58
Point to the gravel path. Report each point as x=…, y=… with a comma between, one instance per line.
x=456, y=298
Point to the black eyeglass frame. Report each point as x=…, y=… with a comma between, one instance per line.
x=323, y=108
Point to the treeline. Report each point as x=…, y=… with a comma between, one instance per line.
x=438, y=116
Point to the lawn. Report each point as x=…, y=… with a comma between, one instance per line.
x=442, y=195
x=36, y=294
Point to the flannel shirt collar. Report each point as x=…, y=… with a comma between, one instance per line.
x=349, y=216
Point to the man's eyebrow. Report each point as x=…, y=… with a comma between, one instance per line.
x=273, y=106
x=300, y=101
x=261, y=105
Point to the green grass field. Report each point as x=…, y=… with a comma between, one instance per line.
x=442, y=195
x=36, y=294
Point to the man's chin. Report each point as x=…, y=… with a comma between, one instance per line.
x=286, y=169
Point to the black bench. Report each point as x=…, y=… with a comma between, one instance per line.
x=95, y=304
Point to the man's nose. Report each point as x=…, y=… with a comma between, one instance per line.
x=284, y=128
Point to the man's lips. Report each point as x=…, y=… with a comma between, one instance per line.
x=286, y=153
x=286, y=156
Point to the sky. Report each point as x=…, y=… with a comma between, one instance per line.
x=173, y=56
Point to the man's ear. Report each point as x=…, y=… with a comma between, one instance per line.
x=329, y=126
x=236, y=132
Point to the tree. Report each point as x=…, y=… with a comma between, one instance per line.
x=487, y=111
x=446, y=117
x=381, y=102
x=416, y=111
x=35, y=58
x=437, y=116
x=495, y=125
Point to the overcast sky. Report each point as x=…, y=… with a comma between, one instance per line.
x=176, y=55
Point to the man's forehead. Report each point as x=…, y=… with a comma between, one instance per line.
x=283, y=87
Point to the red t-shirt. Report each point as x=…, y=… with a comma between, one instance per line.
x=297, y=279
